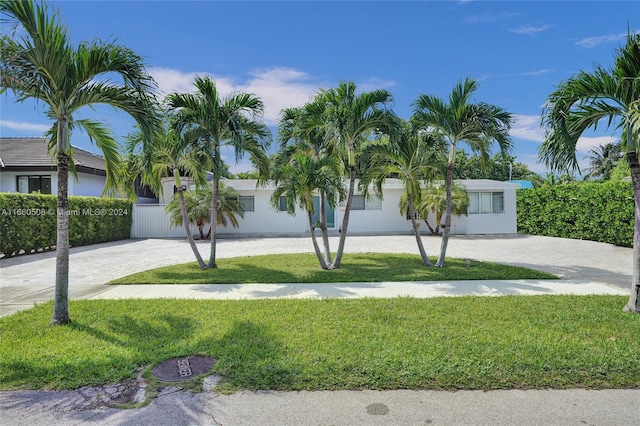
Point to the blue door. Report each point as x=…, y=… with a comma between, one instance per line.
x=331, y=217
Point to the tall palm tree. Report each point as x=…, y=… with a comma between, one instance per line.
x=299, y=180
x=312, y=142
x=43, y=64
x=410, y=157
x=231, y=121
x=197, y=205
x=348, y=119
x=583, y=101
x=434, y=200
x=169, y=154
x=603, y=159
x=478, y=125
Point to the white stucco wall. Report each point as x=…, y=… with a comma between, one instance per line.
x=265, y=220
x=88, y=185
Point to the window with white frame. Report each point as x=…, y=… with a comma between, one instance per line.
x=359, y=202
x=247, y=202
x=486, y=203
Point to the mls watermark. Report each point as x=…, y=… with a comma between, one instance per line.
x=60, y=212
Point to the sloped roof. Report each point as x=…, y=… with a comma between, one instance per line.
x=31, y=154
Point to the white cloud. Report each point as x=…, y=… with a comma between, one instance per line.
x=24, y=126
x=277, y=87
x=585, y=144
x=529, y=29
x=527, y=127
x=375, y=84
x=281, y=88
x=170, y=80
x=486, y=18
x=537, y=72
x=590, y=42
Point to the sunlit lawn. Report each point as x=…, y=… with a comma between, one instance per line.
x=443, y=343
x=304, y=268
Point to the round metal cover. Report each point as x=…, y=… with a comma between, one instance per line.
x=182, y=369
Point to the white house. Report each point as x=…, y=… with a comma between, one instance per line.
x=27, y=167
x=492, y=210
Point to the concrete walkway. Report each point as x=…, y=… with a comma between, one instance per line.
x=586, y=267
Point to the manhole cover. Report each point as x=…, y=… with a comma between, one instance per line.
x=181, y=369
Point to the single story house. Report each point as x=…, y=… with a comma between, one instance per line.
x=492, y=210
x=27, y=167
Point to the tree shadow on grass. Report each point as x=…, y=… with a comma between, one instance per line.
x=251, y=356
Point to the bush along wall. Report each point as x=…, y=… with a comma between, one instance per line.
x=583, y=210
x=28, y=221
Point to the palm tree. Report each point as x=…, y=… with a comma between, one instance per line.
x=410, y=157
x=581, y=102
x=168, y=154
x=603, y=159
x=299, y=180
x=478, y=125
x=434, y=200
x=312, y=142
x=347, y=119
x=232, y=121
x=44, y=65
x=197, y=209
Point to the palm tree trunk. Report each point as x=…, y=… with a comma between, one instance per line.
x=185, y=221
x=214, y=220
x=433, y=231
x=323, y=228
x=61, y=297
x=416, y=232
x=345, y=220
x=447, y=214
x=316, y=247
x=634, y=298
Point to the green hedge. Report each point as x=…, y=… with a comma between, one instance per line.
x=28, y=221
x=584, y=211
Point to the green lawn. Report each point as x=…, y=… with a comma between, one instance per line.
x=403, y=343
x=304, y=268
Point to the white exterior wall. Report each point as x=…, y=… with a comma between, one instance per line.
x=87, y=185
x=502, y=223
x=265, y=220
x=151, y=221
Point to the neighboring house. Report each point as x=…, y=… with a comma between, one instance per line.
x=27, y=167
x=492, y=210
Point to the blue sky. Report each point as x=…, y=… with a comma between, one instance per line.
x=285, y=51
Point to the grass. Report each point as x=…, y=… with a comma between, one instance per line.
x=304, y=268
x=403, y=343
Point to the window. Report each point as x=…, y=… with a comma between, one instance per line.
x=360, y=203
x=31, y=184
x=247, y=203
x=486, y=203
x=282, y=204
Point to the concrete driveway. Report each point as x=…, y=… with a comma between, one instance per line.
x=30, y=279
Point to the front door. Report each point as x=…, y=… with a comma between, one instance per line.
x=331, y=217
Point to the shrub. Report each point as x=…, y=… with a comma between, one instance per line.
x=28, y=221
x=583, y=210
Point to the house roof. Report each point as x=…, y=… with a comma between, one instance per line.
x=32, y=154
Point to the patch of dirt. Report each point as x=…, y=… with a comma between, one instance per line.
x=130, y=391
